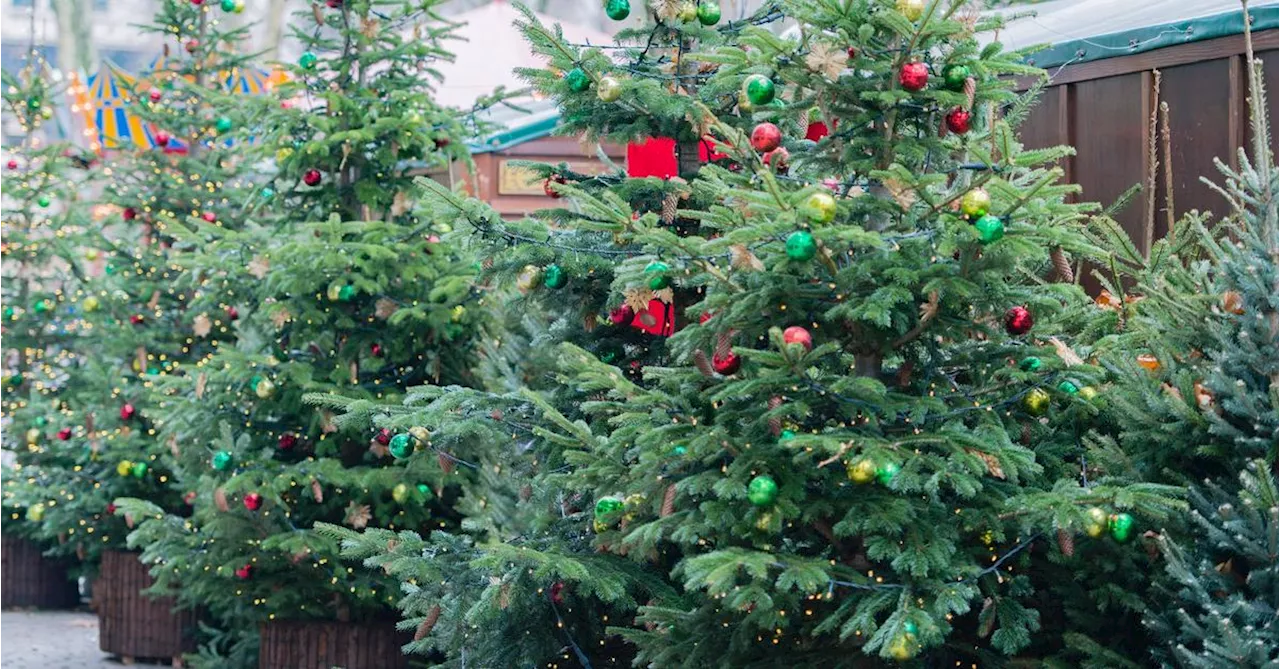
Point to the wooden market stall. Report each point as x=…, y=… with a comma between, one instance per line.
x=1114, y=63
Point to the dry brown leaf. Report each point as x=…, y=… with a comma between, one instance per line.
x=667, y=295
x=358, y=515
x=202, y=325
x=741, y=257
x=317, y=492
x=901, y=193
x=173, y=446
x=220, y=499
x=201, y=381
x=401, y=204
x=384, y=307
x=377, y=449
x=258, y=267
x=1065, y=353
x=993, y=465
x=327, y=424
x=638, y=299
x=445, y=461
x=667, y=10
x=154, y=301
x=280, y=316
x=827, y=60
x=369, y=27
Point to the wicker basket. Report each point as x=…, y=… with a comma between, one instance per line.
x=133, y=625
x=29, y=579
x=323, y=645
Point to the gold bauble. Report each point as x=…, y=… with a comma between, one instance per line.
x=1088, y=393
x=911, y=9
x=528, y=278
x=1036, y=402
x=91, y=254
x=687, y=12
x=976, y=203
x=33, y=435
x=421, y=437
x=124, y=468
x=90, y=304
x=400, y=493
x=862, y=471
x=264, y=389
x=1096, y=522
x=609, y=89
x=36, y=512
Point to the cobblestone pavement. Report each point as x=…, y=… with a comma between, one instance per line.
x=51, y=640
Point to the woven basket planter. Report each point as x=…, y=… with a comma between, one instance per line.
x=322, y=645
x=28, y=579
x=132, y=625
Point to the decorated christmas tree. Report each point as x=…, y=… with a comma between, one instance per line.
x=805, y=361
x=332, y=285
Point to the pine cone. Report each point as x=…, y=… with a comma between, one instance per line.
x=775, y=423
x=669, y=501
x=446, y=462
x=704, y=366
x=670, y=204
x=1067, y=542
x=1062, y=266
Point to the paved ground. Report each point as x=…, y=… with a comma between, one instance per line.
x=51, y=640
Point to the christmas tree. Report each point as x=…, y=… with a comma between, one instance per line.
x=808, y=428
x=337, y=287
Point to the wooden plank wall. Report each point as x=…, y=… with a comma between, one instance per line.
x=1103, y=108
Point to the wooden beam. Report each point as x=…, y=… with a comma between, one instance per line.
x=1178, y=54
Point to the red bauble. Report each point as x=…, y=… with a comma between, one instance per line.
x=798, y=335
x=376, y=350
x=64, y=434
x=287, y=441
x=232, y=314
x=727, y=365
x=622, y=315
x=383, y=436
x=245, y=573
x=129, y=213
x=914, y=76
x=136, y=319
x=1018, y=321
x=190, y=498
x=557, y=592
x=816, y=131
x=311, y=177
x=780, y=159
x=192, y=45
x=127, y=411
x=766, y=137
x=253, y=501
x=111, y=509
x=162, y=138
x=155, y=95
x=546, y=185
x=442, y=142
x=12, y=164
x=209, y=216
x=958, y=120
x=197, y=2
x=704, y=317
x=333, y=4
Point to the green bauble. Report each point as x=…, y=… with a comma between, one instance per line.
x=424, y=490
x=577, y=80
x=10, y=313
x=886, y=472
x=801, y=246
x=307, y=60
x=1068, y=387
x=401, y=445
x=267, y=192
x=346, y=292
x=554, y=276
x=679, y=450
x=1121, y=526
x=223, y=124
x=1036, y=402
x=990, y=229
x=787, y=435
x=1030, y=364
x=762, y=490
x=759, y=89
x=617, y=9
x=40, y=306
x=34, y=103
x=954, y=76
x=43, y=201
x=708, y=13
x=139, y=470
x=657, y=273
x=606, y=506
x=14, y=379
x=228, y=5
x=222, y=460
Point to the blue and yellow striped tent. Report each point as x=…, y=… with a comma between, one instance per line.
x=107, y=97
x=250, y=81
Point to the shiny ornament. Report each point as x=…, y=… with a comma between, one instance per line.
x=780, y=159
x=401, y=445
x=528, y=278
x=43, y=201
x=975, y=203
x=127, y=411
x=287, y=441
x=621, y=315
x=1018, y=321
x=237, y=7
x=1149, y=362
x=1233, y=302
x=223, y=124
x=762, y=490
x=679, y=450
x=1068, y=388
x=91, y=255
x=1121, y=526
x=222, y=460
x=136, y=319
x=914, y=76
x=617, y=9
x=192, y=45
x=912, y=10
x=728, y=364
x=383, y=437
x=12, y=164
x=228, y=5
x=1036, y=402
x=958, y=120
x=554, y=277
x=553, y=179
x=209, y=217
x=110, y=509
x=139, y=470
x=902, y=648
x=861, y=471
x=1030, y=364
x=232, y=313
x=577, y=80
x=819, y=207
x=885, y=472
x=759, y=89
x=244, y=573
x=14, y=379
x=605, y=513
x=375, y=350
x=708, y=13
x=35, y=513
x=162, y=138
x=264, y=389
x=253, y=501
x=42, y=306
x=1089, y=393
x=608, y=89
x=1095, y=522
x=124, y=467
x=33, y=435
x=400, y=493
x=657, y=273
x=129, y=213
x=954, y=77
x=687, y=11
x=765, y=137
x=798, y=335
x=308, y=60
x=801, y=246
x=312, y=177
x=64, y=434
x=990, y=229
